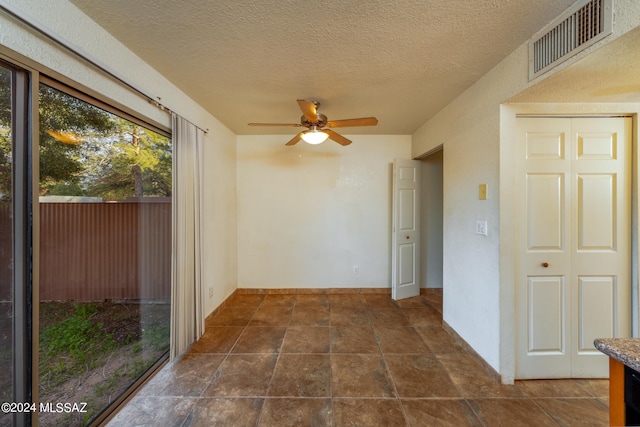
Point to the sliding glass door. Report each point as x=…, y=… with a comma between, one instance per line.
x=15, y=246
x=97, y=319
x=105, y=253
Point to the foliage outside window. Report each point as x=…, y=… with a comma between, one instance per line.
x=5, y=135
x=86, y=151
x=6, y=245
x=105, y=245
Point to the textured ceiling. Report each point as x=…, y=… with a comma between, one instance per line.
x=248, y=61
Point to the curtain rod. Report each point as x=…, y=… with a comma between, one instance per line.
x=42, y=30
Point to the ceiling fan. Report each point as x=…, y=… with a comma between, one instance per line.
x=317, y=125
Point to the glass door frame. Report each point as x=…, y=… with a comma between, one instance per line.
x=26, y=78
x=22, y=126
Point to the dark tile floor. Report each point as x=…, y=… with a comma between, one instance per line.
x=346, y=360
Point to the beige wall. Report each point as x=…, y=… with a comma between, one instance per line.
x=219, y=224
x=469, y=131
x=476, y=131
x=308, y=214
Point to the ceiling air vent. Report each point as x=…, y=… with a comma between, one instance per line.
x=582, y=25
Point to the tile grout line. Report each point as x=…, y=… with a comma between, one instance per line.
x=551, y=417
x=463, y=398
x=273, y=374
x=226, y=357
x=331, y=397
x=386, y=366
x=191, y=413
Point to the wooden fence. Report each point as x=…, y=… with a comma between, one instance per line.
x=98, y=251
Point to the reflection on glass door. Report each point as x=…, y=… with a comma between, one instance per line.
x=6, y=245
x=105, y=252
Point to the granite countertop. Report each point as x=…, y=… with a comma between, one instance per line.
x=624, y=350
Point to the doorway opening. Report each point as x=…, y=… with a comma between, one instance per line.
x=431, y=200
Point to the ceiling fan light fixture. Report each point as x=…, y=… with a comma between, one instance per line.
x=314, y=136
x=315, y=122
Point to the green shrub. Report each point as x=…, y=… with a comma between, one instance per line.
x=75, y=342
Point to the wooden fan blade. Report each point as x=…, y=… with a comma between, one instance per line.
x=276, y=124
x=364, y=121
x=309, y=110
x=295, y=139
x=337, y=137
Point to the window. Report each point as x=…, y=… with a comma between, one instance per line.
x=105, y=253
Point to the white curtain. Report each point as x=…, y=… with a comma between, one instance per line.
x=187, y=319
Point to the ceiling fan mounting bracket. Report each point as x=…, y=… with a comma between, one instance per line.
x=320, y=122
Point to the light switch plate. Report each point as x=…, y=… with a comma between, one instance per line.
x=481, y=227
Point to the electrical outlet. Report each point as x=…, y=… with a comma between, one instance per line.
x=356, y=269
x=483, y=190
x=210, y=292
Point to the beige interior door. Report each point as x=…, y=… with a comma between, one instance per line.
x=574, y=243
x=405, y=251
